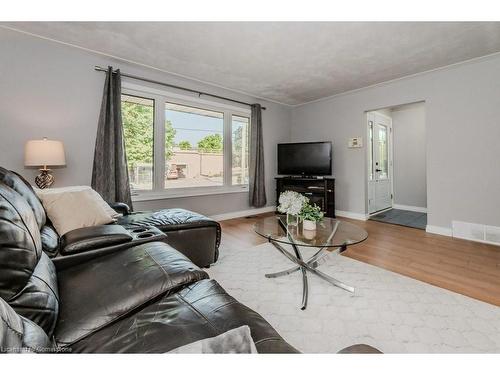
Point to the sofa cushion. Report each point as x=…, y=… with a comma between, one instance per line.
x=97, y=293
x=23, y=188
x=196, y=312
x=20, y=243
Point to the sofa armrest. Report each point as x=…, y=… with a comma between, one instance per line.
x=120, y=207
x=90, y=238
x=81, y=245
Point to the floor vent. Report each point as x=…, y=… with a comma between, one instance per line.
x=476, y=232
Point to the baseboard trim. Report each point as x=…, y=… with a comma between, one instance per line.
x=256, y=211
x=410, y=208
x=351, y=215
x=237, y=214
x=443, y=231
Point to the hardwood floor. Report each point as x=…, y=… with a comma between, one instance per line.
x=465, y=267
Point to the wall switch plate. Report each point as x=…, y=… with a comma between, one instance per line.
x=356, y=142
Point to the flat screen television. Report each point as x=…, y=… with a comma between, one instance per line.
x=305, y=159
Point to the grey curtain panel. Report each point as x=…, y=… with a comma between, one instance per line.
x=257, y=183
x=110, y=173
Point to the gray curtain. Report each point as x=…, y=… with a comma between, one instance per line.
x=257, y=179
x=110, y=173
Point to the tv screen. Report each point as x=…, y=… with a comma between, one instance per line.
x=305, y=159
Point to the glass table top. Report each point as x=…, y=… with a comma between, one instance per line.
x=329, y=232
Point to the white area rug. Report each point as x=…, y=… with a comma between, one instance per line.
x=391, y=312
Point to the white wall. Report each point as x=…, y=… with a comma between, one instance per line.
x=463, y=132
x=49, y=89
x=410, y=180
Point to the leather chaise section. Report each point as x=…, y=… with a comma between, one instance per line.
x=198, y=311
x=96, y=294
x=196, y=243
x=224, y=313
x=196, y=236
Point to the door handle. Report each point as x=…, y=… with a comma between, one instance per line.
x=378, y=170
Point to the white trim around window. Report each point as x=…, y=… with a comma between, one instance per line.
x=161, y=97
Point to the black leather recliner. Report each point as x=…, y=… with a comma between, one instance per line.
x=147, y=298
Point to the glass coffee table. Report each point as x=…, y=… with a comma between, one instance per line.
x=330, y=236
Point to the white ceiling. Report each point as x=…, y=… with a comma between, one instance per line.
x=287, y=62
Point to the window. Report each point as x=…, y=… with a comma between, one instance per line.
x=138, y=128
x=240, y=132
x=383, y=152
x=179, y=146
x=194, y=154
x=370, y=150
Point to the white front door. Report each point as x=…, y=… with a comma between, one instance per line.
x=379, y=162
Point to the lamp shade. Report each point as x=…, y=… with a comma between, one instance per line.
x=44, y=153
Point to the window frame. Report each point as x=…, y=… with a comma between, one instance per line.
x=161, y=97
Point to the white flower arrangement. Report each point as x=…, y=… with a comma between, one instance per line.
x=291, y=202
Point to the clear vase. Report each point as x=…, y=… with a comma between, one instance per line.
x=292, y=220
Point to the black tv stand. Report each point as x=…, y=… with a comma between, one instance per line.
x=320, y=191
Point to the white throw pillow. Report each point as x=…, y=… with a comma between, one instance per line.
x=96, y=195
x=71, y=209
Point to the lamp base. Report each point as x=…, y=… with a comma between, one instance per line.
x=44, y=179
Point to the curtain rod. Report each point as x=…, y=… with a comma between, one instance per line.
x=100, y=69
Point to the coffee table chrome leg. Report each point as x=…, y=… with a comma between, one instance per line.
x=305, y=288
x=295, y=260
x=310, y=266
x=282, y=273
x=313, y=262
x=331, y=280
x=302, y=266
x=322, y=253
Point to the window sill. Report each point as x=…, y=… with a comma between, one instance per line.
x=184, y=193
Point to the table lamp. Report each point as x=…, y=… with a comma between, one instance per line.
x=44, y=153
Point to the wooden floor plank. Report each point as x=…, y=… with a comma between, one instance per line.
x=465, y=267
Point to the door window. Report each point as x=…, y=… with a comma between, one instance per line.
x=383, y=152
x=370, y=150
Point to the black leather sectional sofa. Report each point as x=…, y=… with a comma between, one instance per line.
x=134, y=296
